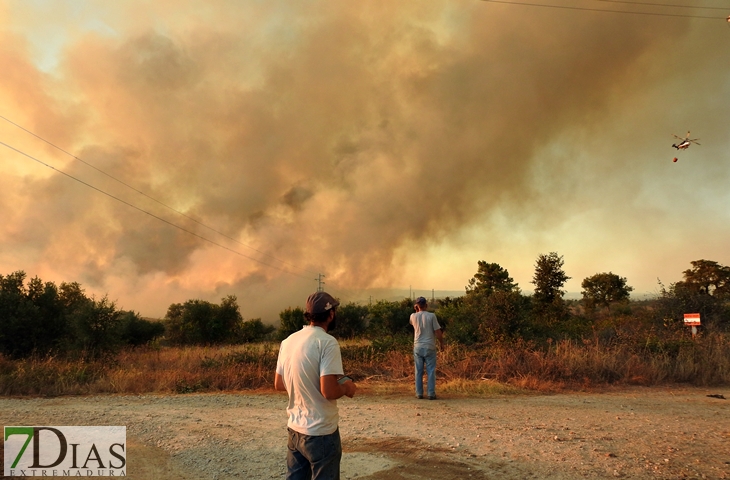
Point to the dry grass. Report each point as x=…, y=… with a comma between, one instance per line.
x=477, y=388
x=168, y=370
x=482, y=370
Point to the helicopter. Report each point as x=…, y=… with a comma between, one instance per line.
x=685, y=143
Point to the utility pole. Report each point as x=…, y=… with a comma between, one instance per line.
x=320, y=282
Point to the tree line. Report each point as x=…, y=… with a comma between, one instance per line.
x=42, y=318
x=494, y=308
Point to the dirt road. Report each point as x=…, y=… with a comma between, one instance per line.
x=637, y=433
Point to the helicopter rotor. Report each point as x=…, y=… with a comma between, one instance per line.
x=686, y=138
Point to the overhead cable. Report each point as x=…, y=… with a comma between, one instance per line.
x=587, y=9
x=627, y=2
x=148, y=213
x=154, y=199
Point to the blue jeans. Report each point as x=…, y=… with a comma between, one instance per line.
x=425, y=354
x=313, y=457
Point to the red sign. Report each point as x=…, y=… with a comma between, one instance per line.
x=691, y=318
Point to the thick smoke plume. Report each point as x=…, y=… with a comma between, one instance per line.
x=324, y=137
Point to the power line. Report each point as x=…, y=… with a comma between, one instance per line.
x=154, y=199
x=587, y=9
x=664, y=5
x=148, y=213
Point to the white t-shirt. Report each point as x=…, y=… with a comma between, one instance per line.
x=424, y=324
x=304, y=357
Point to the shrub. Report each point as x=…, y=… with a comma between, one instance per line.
x=201, y=322
x=96, y=328
x=291, y=320
x=253, y=331
x=389, y=318
x=135, y=330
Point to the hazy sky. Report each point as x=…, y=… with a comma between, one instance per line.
x=383, y=144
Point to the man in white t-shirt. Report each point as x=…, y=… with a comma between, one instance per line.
x=426, y=330
x=308, y=369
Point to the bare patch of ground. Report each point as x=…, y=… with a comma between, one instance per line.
x=642, y=433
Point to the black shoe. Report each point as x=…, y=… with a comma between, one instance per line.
x=420, y=397
x=432, y=397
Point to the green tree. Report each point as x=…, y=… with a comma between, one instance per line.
x=48, y=321
x=96, y=327
x=253, y=330
x=707, y=277
x=194, y=316
x=71, y=296
x=678, y=299
x=548, y=306
x=603, y=289
x=503, y=315
x=549, y=278
x=290, y=320
x=201, y=322
x=135, y=330
x=16, y=339
x=704, y=290
x=390, y=318
x=460, y=318
x=173, y=322
x=351, y=320
x=227, y=319
x=41, y=318
x=493, y=308
x=32, y=317
x=490, y=278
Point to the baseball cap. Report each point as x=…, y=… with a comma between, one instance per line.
x=320, y=302
x=420, y=301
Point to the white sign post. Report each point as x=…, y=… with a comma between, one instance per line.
x=692, y=320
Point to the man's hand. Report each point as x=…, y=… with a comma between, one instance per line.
x=332, y=390
x=440, y=335
x=279, y=383
x=350, y=388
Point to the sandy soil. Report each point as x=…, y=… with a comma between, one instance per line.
x=636, y=433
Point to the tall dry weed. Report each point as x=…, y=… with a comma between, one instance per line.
x=476, y=369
